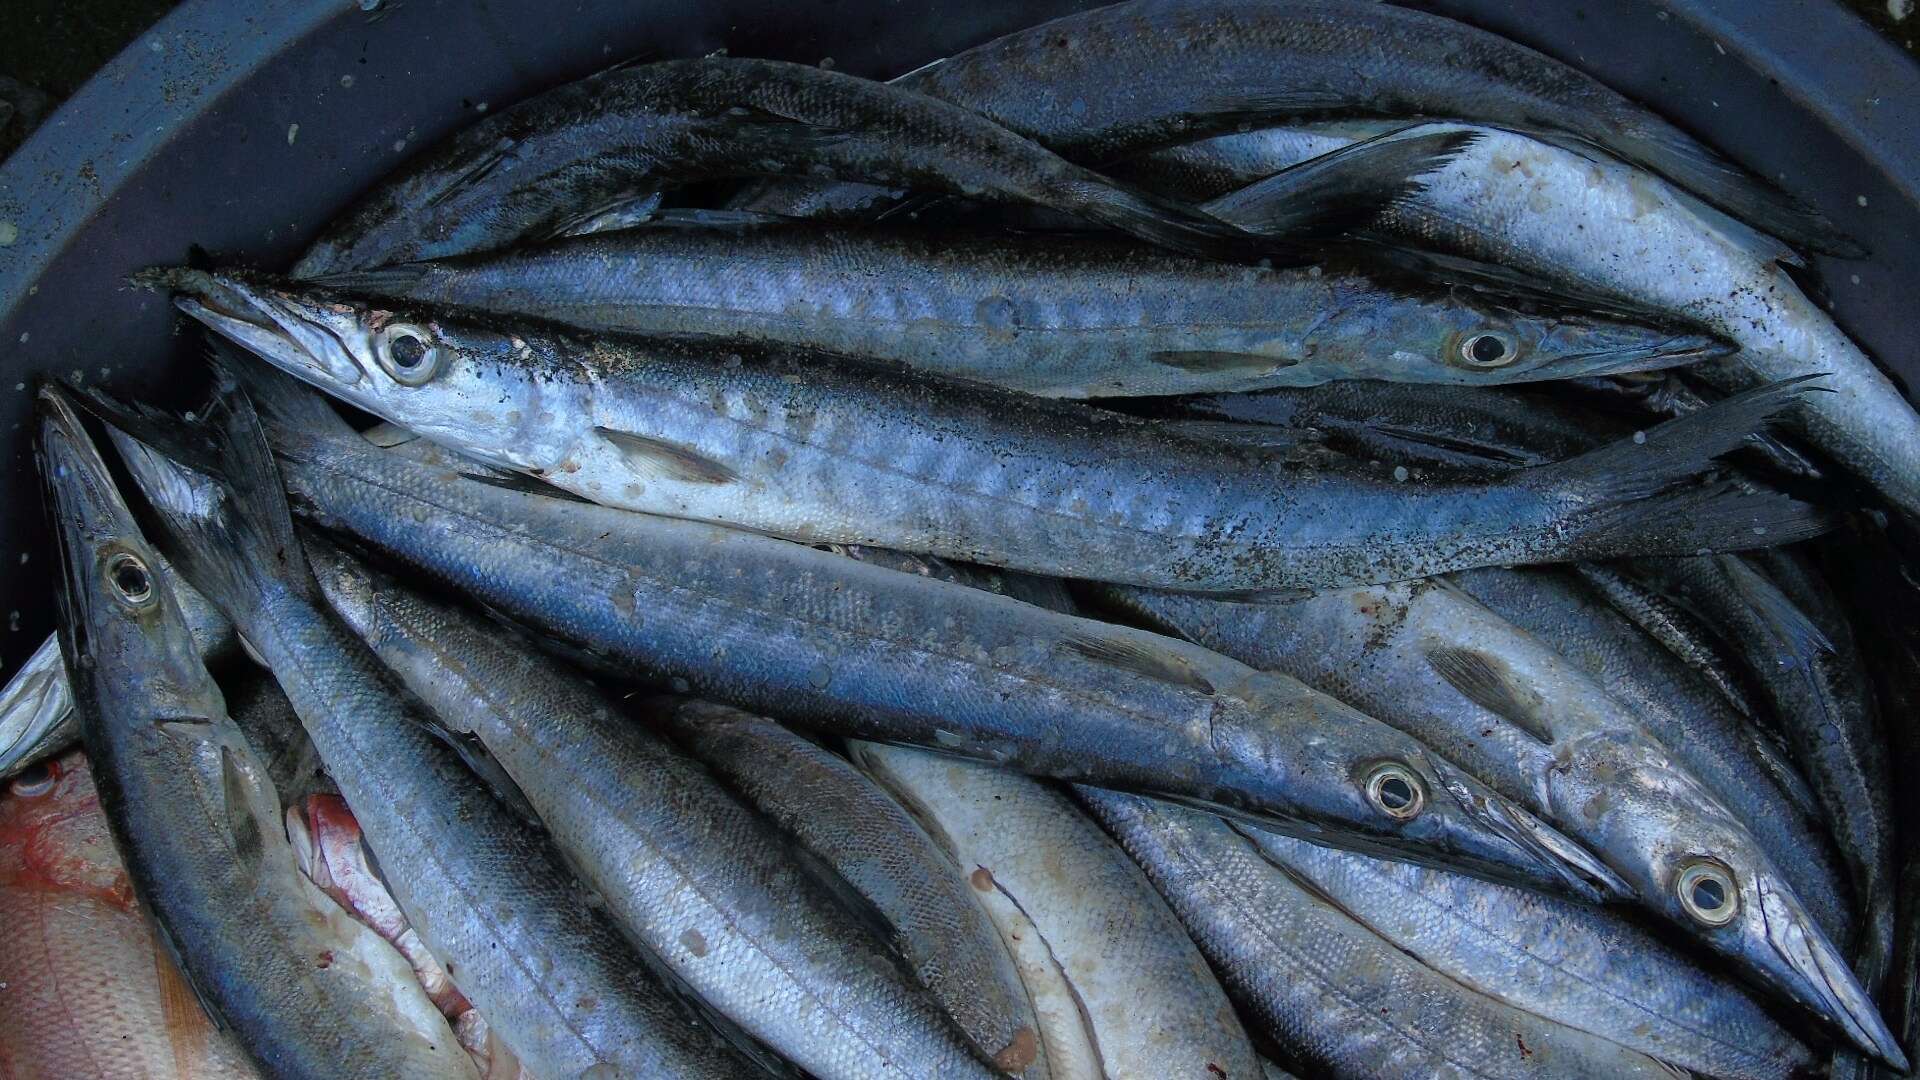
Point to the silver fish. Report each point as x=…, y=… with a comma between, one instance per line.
x=1535, y=727
x=870, y=652
x=1745, y=769
x=1586, y=967
x=486, y=892
x=809, y=447
x=1058, y=317
x=306, y=990
x=1331, y=992
x=840, y=815
x=1149, y=1003
x=36, y=705
x=570, y=157
x=1586, y=222
x=692, y=874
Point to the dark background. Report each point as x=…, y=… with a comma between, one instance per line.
x=51, y=46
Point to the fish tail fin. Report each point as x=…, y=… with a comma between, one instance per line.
x=1343, y=189
x=1634, y=500
x=226, y=521
x=1695, y=167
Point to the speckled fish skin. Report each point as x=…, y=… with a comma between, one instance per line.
x=486, y=892
x=1586, y=967
x=36, y=706
x=1073, y=317
x=688, y=871
x=830, y=450
x=1114, y=81
x=1535, y=727
x=869, y=840
x=194, y=813
x=86, y=989
x=531, y=170
x=869, y=652
x=1150, y=1003
x=1334, y=995
x=1725, y=751
x=1603, y=227
x=1821, y=703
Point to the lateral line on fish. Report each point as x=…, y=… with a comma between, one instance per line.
x=619, y=569
x=455, y=663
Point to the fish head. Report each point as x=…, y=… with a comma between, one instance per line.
x=1441, y=816
x=491, y=393
x=1472, y=339
x=1384, y=792
x=1709, y=876
x=120, y=623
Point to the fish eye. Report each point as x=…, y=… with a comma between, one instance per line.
x=1396, y=791
x=407, y=353
x=1707, y=893
x=130, y=579
x=1488, y=349
x=36, y=779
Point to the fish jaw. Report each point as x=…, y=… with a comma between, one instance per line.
x=317, y=342
x=1520, y=847
x=1782, y=940
x=1633, y=354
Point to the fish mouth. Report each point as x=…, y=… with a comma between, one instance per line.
x=1677, y=350
x=1818, y=977
x=294, y=335
x=1545, y=856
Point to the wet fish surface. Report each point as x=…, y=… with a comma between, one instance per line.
x=874, y=844
x=804, y=446
x=1591, y=968
x=868, y=652
x=533, y=170
x=1115, y=81
x=692, y=874
x=1593, y=225
x=305, y=989
x=485, y=891
x=1745, y=768
x=1325, y=988
x=1536, y=728
x=1060, y=317
x=1148, y=999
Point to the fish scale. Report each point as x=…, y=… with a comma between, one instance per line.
x=305, y=989
x=484, y=890
x=871, y=652
x=685, y=869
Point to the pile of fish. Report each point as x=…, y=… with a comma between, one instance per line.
x=1198, y=539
